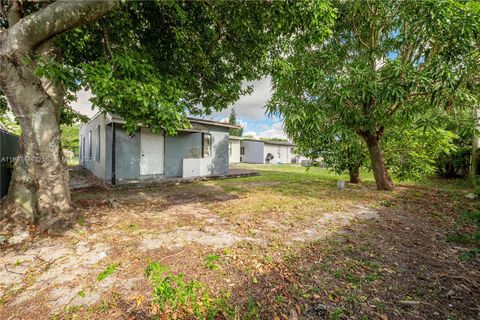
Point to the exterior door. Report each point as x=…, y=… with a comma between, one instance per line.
x=151, y=152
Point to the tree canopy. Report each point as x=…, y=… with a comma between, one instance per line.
x=150, y=62
x=384, y=63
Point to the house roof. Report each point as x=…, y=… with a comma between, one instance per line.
x=280, y=143
x=214, y=123
x=197, y=124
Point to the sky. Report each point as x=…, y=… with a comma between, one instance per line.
x=249, y=109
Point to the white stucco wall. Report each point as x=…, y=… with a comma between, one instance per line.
x=216, y=164
x=96, y=167
x=234, y=151
x=253, y=151
x=281, y=153
x=196, y=167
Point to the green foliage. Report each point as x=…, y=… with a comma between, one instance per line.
x=211, y=261
x=10, y=124
x=232, y=119
x=384, y=64
x=154, y=62
x=336, y=314
x=461, y=123
x=176, y=296
x=468, y=230
x=468, y=233
x=411, y=152
x=108, y=271
x=335, y=147
x=69, y=138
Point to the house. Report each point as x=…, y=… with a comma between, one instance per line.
x=234, y=148
x=261, y=151
x=9, y=146
x=113, y=155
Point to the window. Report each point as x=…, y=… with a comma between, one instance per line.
x=83, y=148
x=207, y=145
x=230, y=148
x=89, y=145
x=97, y=152
x=242, y=150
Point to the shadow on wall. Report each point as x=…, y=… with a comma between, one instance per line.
x=219, y=164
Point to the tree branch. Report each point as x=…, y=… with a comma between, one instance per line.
x=56, y=18
x=15, y=13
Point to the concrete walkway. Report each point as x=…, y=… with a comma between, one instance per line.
x=130, y=184
x=81, y=178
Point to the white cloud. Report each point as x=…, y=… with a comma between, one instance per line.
x=275, y=131
x=83, y=105
x=247, y=108
x=251, y=107
x=251, y=133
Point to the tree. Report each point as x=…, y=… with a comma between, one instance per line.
x=383, y=60
x=152, y=62
x=274, y=139
x=232, y=119
x=69, y=138
x=318, y=137
x=412, y=149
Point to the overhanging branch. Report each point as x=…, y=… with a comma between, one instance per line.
x=54, y=19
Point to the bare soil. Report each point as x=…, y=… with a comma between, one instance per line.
x=289, y=249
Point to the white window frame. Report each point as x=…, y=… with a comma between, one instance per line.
x=210, y=145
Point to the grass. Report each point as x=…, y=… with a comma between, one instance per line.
x=211, y=261
x=108, y=271
x=73, y=162
x=175, y=297
x=298, y=243
x=467, y=232
x=291, y=193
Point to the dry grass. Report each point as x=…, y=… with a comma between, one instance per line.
x=286, y=243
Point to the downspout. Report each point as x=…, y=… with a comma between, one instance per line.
x=113, y=153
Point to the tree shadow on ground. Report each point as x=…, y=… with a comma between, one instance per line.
x=398, y=266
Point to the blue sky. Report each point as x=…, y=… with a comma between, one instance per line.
x=250, y=111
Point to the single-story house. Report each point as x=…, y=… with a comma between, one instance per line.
x=261, y=151
x=234, y=146
x=112, y=154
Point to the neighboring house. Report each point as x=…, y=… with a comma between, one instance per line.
x=261, y=151
x=111, y=154
x=9, y=146
x=234, y=149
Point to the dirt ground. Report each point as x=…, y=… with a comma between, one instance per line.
x=287, y=245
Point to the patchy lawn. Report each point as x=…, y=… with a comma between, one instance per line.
x=283, y=245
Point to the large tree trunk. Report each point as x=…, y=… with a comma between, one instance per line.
x=39, y=190
x=380, y=172
x=354, y=173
